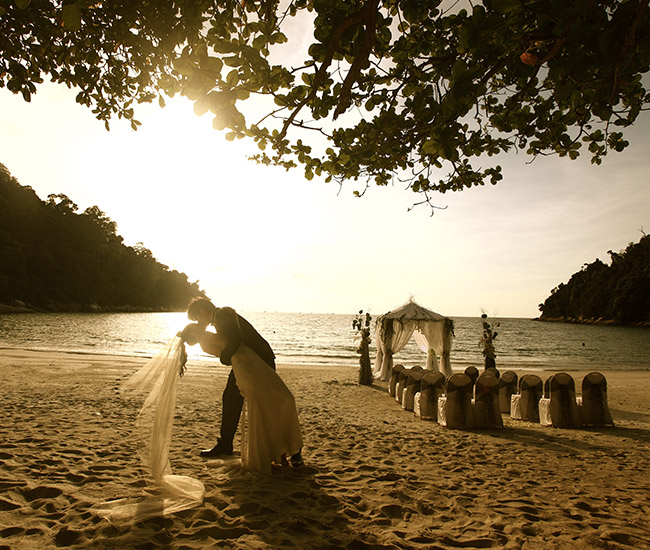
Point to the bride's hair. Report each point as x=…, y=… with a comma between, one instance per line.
x=191, y=334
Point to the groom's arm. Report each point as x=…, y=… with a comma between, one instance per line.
x=226, y=322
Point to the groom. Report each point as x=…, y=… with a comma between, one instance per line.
x=237, y=331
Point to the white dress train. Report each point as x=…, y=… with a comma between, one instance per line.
x=170, y=493
x=270, y=425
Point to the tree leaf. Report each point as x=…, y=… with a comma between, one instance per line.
x=505, y=6
x=71, y=16
x=201, y=106
x=233, y=78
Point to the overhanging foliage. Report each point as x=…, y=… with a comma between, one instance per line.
x=428, y=92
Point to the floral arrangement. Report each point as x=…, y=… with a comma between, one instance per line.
x=361, y=324
x=487, y=342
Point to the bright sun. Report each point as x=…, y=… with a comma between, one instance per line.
x=202, y=208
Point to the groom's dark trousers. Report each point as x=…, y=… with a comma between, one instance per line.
x=237, y=331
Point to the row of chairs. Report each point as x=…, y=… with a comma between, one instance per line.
x=555, y=403
x=473, y=400
x=455, y=401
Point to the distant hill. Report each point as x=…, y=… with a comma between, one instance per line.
x=56, y=259
x=618, y=293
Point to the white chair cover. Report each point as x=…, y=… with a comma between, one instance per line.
x=515, y=406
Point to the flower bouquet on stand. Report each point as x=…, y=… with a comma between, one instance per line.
x=361, y=324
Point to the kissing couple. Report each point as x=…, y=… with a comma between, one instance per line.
x=270, y=428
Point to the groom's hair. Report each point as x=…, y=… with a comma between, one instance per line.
x=199, y=304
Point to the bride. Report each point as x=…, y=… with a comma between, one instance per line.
x=270, y=426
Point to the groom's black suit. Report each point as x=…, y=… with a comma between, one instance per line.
x=237, y=331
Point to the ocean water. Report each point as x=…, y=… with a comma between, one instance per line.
x=329, y=339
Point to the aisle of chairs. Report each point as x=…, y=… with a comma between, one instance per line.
x=473, y=400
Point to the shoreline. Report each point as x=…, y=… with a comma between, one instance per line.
x=59, y=358
x=376, y=477
x=597, y=322
x=457, y=366
x=79, y=308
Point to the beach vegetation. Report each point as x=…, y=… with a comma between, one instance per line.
x=598, y=292
x=425, y=93
x=57, y=258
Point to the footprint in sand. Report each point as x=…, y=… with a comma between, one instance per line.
x=12, y=532
x=42, y=492
x=220, y=533
x=585, y=506
x=104, y=467
x=470, y=543
x=530, y=510
x=246, y=509
x=74, y=478
x=6, y=505
x=621, y=538
x=67, y=537
x=392, y=511
x=91, y=479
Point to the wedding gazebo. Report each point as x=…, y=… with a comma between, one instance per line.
x=433, y=332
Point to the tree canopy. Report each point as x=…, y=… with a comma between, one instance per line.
x=421, y=91
x=55, y=258
x=617, y=292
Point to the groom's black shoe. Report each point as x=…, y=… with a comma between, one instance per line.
x=296, y=460
x=220, y=449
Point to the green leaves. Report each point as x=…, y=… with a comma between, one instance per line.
x=505, y=6
x=430, y=93
x=233, y=78
x=71, y=16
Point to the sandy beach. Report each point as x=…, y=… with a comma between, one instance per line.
x=376, y=477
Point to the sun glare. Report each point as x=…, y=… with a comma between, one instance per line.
x=201, y=207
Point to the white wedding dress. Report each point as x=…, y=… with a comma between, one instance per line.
x=269, y=426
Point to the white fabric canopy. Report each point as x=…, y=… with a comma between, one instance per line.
x=434, y=334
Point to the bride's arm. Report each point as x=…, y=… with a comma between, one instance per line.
x=212, y=343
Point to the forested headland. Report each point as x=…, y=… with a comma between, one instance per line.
x=54, y=258
x=618, y=293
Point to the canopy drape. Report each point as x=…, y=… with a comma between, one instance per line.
x=434, y=334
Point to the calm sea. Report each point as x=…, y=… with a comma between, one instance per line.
x=328, y=339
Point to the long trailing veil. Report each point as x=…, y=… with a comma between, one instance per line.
x=169, y=493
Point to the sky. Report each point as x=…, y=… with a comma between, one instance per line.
x=263, y=239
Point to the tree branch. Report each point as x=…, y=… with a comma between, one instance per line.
x=360, y=58
x=344, y=25
x=630, y=37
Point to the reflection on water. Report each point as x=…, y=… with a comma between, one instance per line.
x=123, y=333
x=322, y=339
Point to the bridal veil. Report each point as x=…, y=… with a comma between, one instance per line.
x=168, y=493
